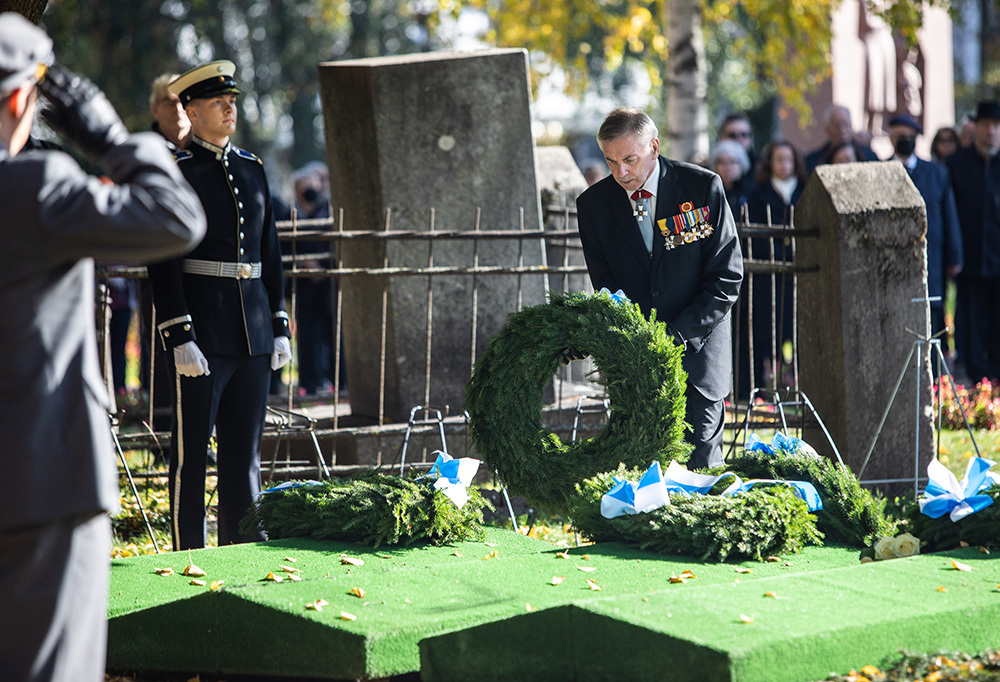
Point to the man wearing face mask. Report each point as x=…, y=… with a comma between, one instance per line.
x=975, y=179
x=944, y=237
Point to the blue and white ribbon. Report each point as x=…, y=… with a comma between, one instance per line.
x=617, y=297
x=779, y=443
x=289, y=485
x=804, y=490
x=454, y=476
x=945, y=494
x=680, y=480
x=626, y=497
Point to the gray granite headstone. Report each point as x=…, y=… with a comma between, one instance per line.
x=443, y=131
x=870, y=258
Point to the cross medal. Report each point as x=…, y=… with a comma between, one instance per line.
x=640, y=209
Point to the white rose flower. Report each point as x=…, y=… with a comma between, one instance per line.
x=883, y=548
x=905, y=545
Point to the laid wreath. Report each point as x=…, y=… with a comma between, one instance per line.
x=981, y=529
x=751, y=525
x=638, y=364
x=370, y=509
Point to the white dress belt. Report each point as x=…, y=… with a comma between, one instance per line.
x=215, y=268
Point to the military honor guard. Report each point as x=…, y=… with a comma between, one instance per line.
x=56, y=452
x=689, y=269
x=221, y=313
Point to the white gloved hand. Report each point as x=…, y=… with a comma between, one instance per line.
x=282, y=352
x=190, y=361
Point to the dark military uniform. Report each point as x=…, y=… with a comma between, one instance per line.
x=227, y=295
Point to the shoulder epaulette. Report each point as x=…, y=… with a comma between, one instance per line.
x=182, y=155
x=244, y=154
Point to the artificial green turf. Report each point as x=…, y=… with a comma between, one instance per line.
x=478, y=616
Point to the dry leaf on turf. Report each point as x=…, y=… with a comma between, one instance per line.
x=962, y=544
x=773, y=595
x=675, y=579
x=585, y=557
x=344, y=615
x=163, y=571
x=216, y=584
x=288, y=569
x=743, y=570
x=562, y=555
x=586, y=569
x=357, y=592
x=772, y=559
x=491, y=555
x=529, y=607
x=197, y=583
x=317, y=605
x=746, y=619
x=271, y=577
x=592, y=584
x=686, y=574
x=456, y=553
x=294, y=577
x=942, y=589
x=490, y=544
x=291, y=559
x=352, y=561
x=193, y=571
x=870, y=671
x=557, y=579
x=959, y=566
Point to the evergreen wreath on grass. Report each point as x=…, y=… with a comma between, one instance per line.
x=981, y=529
x=752, y=525
x=850, y=514
x=371, y=508
x=639, y=364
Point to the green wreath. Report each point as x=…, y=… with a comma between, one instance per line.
x=640, y=367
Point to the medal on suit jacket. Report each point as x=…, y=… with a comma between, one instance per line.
x=689, y=225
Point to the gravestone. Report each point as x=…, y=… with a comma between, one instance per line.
x=855, y=309
x=443, y=131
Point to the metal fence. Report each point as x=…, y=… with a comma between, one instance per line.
x=765, y=364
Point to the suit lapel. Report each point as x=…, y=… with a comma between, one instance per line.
x=667, y=201
x=622, y=210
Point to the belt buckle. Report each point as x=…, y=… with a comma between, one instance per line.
x=245, y=271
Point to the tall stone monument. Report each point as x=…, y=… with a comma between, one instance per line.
x=443, y=131
x=870, y=261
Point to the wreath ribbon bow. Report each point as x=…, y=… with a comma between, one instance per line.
x=454, y=476
x=945, y=494
x=779, y=443
x=617, y=297
x=626, y=497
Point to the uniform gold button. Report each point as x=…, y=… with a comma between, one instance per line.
x=187, y=327
x=230, y=176
x=241, y=252
x=241, y=220
x=236, y=190
x=166, y=334
x=242, y=236
x=240, y=204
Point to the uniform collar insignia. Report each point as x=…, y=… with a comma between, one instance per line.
x=220, y=152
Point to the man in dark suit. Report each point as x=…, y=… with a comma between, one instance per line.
x=221, y=311
x=944, y=236
x=839, y=131
x=975, y=178
x=661, y=231
x=56, y=453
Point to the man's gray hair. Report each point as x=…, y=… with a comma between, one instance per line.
x=159, y=87
x=627, y=121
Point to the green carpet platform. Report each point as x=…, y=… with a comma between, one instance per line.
x=463, y=612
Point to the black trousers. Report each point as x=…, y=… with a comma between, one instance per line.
x=978, y=311
x=54, y=601
x=232, y=400
x=707, y=418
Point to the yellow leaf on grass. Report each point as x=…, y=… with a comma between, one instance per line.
x=490, y=544
x=959, y=566
x=193, y=571
x=586, y=569
x=216, y=584
x=592, y=584
x=529, y=607
x=870, y=671
x=746, y=619
x=772, y=559
x=163, y=571
x=294, y=577
x=456, y=553
x=558, y=579
x=743, y=570
x=773, y=595
x=674, y=579
x=197, y=583
x=288, y=569
x=491, y=555
x=984, y=550
x=352, y=561
x=317, y=605
x=585, y=557
x=357, y=592
x=344, y=615
x=562, y=555
x=688, y=574
x=291, y=559
x=942, y=589
x=271, y=577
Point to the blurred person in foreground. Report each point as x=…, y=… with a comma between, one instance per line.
x=60, y=479
x=221, y=316
x=661, y=230
x=169, y=118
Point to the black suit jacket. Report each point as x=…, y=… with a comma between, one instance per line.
x=944, y=236
x=691, y=287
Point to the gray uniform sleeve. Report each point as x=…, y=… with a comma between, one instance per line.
x=145, y=212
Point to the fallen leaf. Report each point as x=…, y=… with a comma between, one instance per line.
x=746, y=619
x=193, y=571
x=490, y=544
x=562, y=555
x=491, y=555
x=772, y=559
x=585, y=557
x=558, y=579
x=295, y=577
x=317, y=605
x=959, y=566
x=773, y=595
x=291, y=559
x=942, y=589
x=456, y=553
x=592, y=584
x=288, y=569
x=962, y=544
x=677, y=579
x=344, y=615
x=743, y=570
x=866, y=560
x=688, y=574
x=357, y=592
x=586, y=569
x=984, y=550
x=788, y=563
x=352, y=561
x=271, y=577
x=529, y=607
x=870, y=671
x=216, y=584
x=163, y=571
x=197, y=583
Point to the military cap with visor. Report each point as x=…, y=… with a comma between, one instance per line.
x=208, y=80
x=25, y=51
